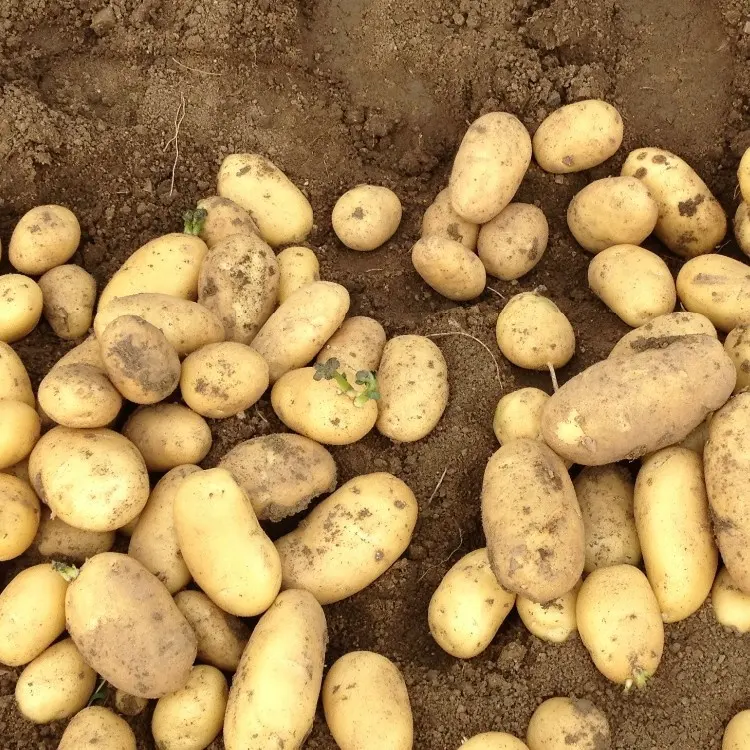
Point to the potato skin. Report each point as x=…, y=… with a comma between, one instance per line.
x=741, y=227
x=553, y=621
x=94, y=724
x=448, y=267
x=21, y=304
x=298, y=267
x=19, y=431
x=45, y=237
x=57, y=540
x=737, y=346
x=358, y=345
x=440, y=218
x=88, y=352
x=69, y=296
x=493, y=741
x=223, y=219
x=19, y=516
x=660, y=331
x=518, y=414
x=731, y=605
x=736, y=732
x=14, y=380
x=366, y=217
x=743, y=176
x=568, y=724
x=129, y=705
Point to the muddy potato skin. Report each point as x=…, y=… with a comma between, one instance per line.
x=19, y=431
x=129, y=705
x=19, y=516
x=14, y=380
x=653, y=399
x=350, y=539
x=493, y=741
x=468, y=607
x=21, y=304
x=275, y=691
x=731, y=605
x=366, y=217
x=737, y=731
x=98, y=727
x=519, y=415
x=45, y=237
x=69, y=296
x=298, y=267
x=742, y=227
x=568, y=724
x=553, y=621
x=223, y=219
x=743, y=176
x=737, y=346
x=448, y=267
x=661, y=330
x=57, y=540
x=440, y=218
x=357, y=345
x=88, y=352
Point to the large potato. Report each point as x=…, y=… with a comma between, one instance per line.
x=662, y=330
x=441, y=218
x=357, y=345
x=553, y=621
x=493, y=741
x=57, y=540
x=20, y=427
x=223, y=219
x=518, y=414
x=742, y=227
x=737, y=731
x=737, y=346
x=14, y=380
x=45, y=237
x=743, y=176
x=532, y=521
x=731, y=605
x=275, y=692
x=19, y=516
x=350, y=539
x=69, y=296
x=298, y=267
x=97, y=727
x=366, y=217
x=21, y=304
x=568, y=724
x=448, y=267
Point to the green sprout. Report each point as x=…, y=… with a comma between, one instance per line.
x=329, y=370
x=68, y=572
x=100, y=694
x=194, y=220
x=639, y=680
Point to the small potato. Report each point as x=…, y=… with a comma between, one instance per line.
x=731, y=605
x=366, y=703
x=357, y=345
x=298, y=267
x=489, y=166
x=691, y=221
x=448, y=267
x=512, y=243
x=130, y=705
x=45, y=237
x=440, y=218
x=553, y=621
x=737, y=732
x=742, y=227
x=19, y=516
x=56, y=540
x=56, y=685
x=350, y=539
x=568, y=724
x=532, y=332
x=366, y=217
x=192, y=717
x=20, y=427
x=139, y=360
x=223, y=219
x=223, y=379
x=97, y=727
x=468, y=607
x=88, y=352
x=493, y=741
x=281, y=473
x=278, y=207
x=20, y=306
x=413, y=384
x=519, y=415
x=662, y=330
x=743, y=176
x=69, y=296
x=737, y=346
x=634, y=283
x=14, y=380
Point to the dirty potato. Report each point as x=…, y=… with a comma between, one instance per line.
x=224, y=218
x=20, y=427
x=518, y=414
x=737, y=346
x=448, y=267
x=660, y=331
x=731, y=605
x=45, y=237
x=69, y=297
x=357, y=345
x=19, y=516
x=97, y=726
x=21, y=304
x=568, y=724
x=742, y=227
x=57, y=540
x=298, y=267
x=440, y=218
x=366, y=217
x=553, y=621
x=15, y=384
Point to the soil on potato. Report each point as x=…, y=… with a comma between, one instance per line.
x=339, y=92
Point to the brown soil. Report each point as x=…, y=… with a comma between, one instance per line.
x=338, y=92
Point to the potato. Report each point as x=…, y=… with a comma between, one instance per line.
x=493, y=741
x=532, y=521
x=19, y=516
x=275, y=692
x=357, y=345
x=568, y=724
x=88, y=352
x=99, y=727
x=128, y=529
x=625, y=407
x=221, y=637
x=239, y=283
x=737, y=346
x=281, y=473
x=14, y=380
x=553, y=621
x=468, y=607
x=19, y=470
x=743, y=176
x=20, y=306
x=742, y=227
x=19, y=430
x=56, y=540
x=697, y=439
x=518, y=414
x=225, y=549
x=605, y=496
x=280, y=210
x=489, y=166
x=620, y=624
x=634, y=283
x=366, y=217
x=674, y=528
x=737, y=732
x=532, y=332
x=94, y=480
x=691, y=221
x=440, y=218
x=298, y=266
x=223, y=219
x=45, y=237
x=448, y=267
x=660, y=331
x=154, y=540
x=366, y=703
x=192, y=717
x=223, y=379
x=139, y=360
x=130, y=705
x=56, y=685
x=350, y=539
x=32, y=614
x=69, y=294
x=413, y=384
x=731, y=605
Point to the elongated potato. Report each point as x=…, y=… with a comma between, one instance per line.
x=357, y=345
x=350, y=539
x=129, y=705
x=448, y=267
x=731, y=605
x=440, y=218
x=493, y=741
x=568, y=724
x=19, y=431
x=99, y=727
x=57, y=540
x=69, y=296
x=223, y=219
x=21, y=305
x=14, y=380
x=742, y=227
x=743, y=176
x=275, y=691
x=19, y=516
x=737, y=731
x=553, y=621
x=366, y=217
x=45, y=237
x=660, y=331
x=298, y=267
x=737, y=346
x=518, y=414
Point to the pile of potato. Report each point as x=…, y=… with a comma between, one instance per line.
x=198, y=325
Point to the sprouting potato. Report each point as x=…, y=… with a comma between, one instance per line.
x=493, y=741
x=737, y=346
x=69, y=296
x=99, y=727
x=737, y=731
x=21, y=304
x=20, y=427
x=298, y=266
x=14, y=380
x=130, y=705
x=448, y=267
x=57, y=540
x=568, y=724
x=19, y=516
x=45, y=237
x=743, y=176
x=553, y=621
x=440, y=218
x=357, y=345
x=731, y=605
x=223, y=219
x=366, y=217
x=742, y=227
x=518, y=414
x=661, y=330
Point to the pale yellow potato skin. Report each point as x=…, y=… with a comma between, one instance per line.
x=298, y=267
x=88, y=352
x=275, y=692
x=69, y=296
x=493, y=741
x=21, y=304
x=225, y=549
x=99, y=727
x=57, y=540
x=357, y=345
x=350, y=539
x=448, y=267
x=743, y=176
x=20, y=427
x=660, y=330
x=633, y=282
x=518, y=414
x=14, y=380
x=742, y=227
x=737, y=346
x=440, y=218
x=45, y=237
x=223, y=219
x=19, y=470
x=366, y=217
x=731, y=605
x=20, y=514
x=277, y=206
x=553, y=621
x=129, y=705
x=737, y=732
x=691, y=221
x=568, y=724
x=468, y=607
x=489, y=166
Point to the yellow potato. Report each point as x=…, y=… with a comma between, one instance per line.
x=45, y=237
x=568, y=724
x=20, y=306
x=350, y=539
x=69, y=296
x=19, y=516
x=468, y=607
x=88, y=352
x=691, y=221
x=298, y=266
x=737, y=732
x=19, y=470
x=357, y=345
x=278, y=207
x=19, y=431
x=731, y=604
x=518, y=414
x=99, y=727
x=56, y=540
x=366, y=217
x=440, y=218
x=742, y=227
x=493, y=741
x=553, y=621
x=223, y=219
x=660, y=331
x=448, y=267
x=130, y=705
x=697, y=439
x=14, y=380
x=743, y=176
x=128, y=529
x=737, y=346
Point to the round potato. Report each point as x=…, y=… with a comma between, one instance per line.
x=743, y=176
x=660, y=331
x=130, y=705
x=20, y=306
x=223, y=219
x=737, y=731
x=19, y=516
x=69, y=295
x=357, y=345
x=568, y=724
x=737, y=346
x=742, y=227
x=440, y=218
x=14, y=380
x=45, y=237
x=56, y=540
x=553, y=621
x=448, y=267
x=298, y=267
x=366, y=217
x=88, y=352
x=518, y=414
x=20, y=427
x=493, y=741
x=731, y=605
x=99, y=727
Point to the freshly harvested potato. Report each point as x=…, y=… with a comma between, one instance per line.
x=532, y=521
x=143, y=645
x=691, y=221
x=468, y=607
x=742, y=227
x=278, y=207
x=493, y=741
x=568, y=724
x=192, y=717
x=45, y=237
x=489, y=166
x=57, y=540
x=14, y=380
x=633, y=282
x=289, y=644
x=743, y=176
x=532, y=332
x=440, y=218
x=660, y=331
x=223, y=219
x=737, y=346
x=697, y=439
x=130, y=705
x=281, y=473
x=350, y=539
x=239, y=283
x=737, y=731
x=20, y=427
x=97, y=727
x=518, y=414
x=413, y=384
x=448, y=267
x=19, y=470
x=357, y=345
x=366, y=703
x=625, y=407
x=620, y=624
x=300, y=327
x=366, y=217
x=128, y=529
x=56, y=685
x=19, y=516
x=88, y=352
x=731, y=604
x=69, y=294
x=221, y=380
x=298, y=267
x=21, y=304
x=553, y=621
